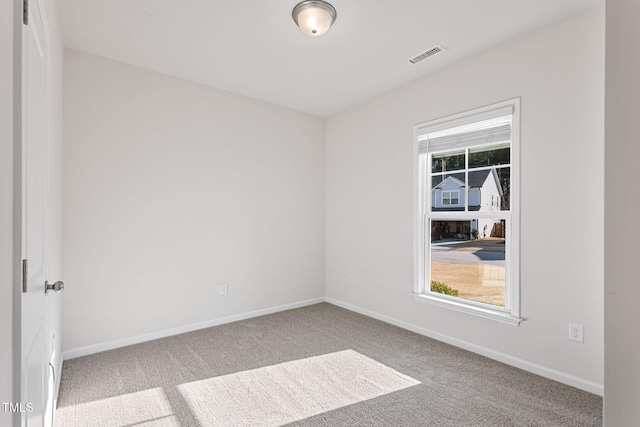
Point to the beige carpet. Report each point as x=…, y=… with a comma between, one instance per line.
x=315, y=366
x=143, y=408
x=292, y=391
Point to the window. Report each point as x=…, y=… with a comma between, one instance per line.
x=450, y=197
x=466, y=215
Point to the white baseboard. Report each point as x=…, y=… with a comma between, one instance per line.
x=562, y=377
x=58, y=371
x=110, y=345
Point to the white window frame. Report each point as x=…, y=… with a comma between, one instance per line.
x=509, y=314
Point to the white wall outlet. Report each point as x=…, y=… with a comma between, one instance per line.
x=576, y=332
x=224, y=288
x=352, y=279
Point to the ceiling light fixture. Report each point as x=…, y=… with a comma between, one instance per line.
x=314, y=17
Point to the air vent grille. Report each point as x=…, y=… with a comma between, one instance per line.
x=433, y=51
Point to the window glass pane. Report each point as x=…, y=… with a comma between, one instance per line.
x=489, y=189
x=504, y=177
x=446, y=197
x=445, y=162
x=468, y=259
x=491, y=155
x=448, y=192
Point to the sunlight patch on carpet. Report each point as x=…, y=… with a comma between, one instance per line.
x=147, y=407
x=287, y=392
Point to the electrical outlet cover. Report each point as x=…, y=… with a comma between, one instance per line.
x=576, y=332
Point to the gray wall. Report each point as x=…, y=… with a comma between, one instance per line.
x=622, y=204
x=558, y=71
x=172, y=188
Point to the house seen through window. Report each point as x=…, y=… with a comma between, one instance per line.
x=466, y=219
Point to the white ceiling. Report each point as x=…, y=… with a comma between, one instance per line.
x=253, y=47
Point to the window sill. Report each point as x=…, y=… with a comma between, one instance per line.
x=474, y=310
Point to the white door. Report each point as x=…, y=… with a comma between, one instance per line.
x=35, y=372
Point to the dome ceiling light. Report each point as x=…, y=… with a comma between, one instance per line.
x=314, y=17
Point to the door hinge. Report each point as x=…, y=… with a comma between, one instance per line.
x=25, y=12
x=25, y=270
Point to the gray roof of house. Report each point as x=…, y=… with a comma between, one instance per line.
x=476, y=178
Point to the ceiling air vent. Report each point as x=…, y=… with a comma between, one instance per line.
x=434, y=50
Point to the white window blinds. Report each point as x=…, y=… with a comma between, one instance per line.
x=487, y=128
